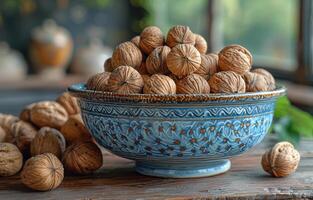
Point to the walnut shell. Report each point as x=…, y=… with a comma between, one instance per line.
x=11, y=159
x=2, y=134
x=183, y=59
x=142, y=69
x=145, y=78
x=136, y=40
x=108, y=67
x=200, y=44
x=156, y=61
x=227, y=82
x=82, y=158
x=208, y=66
x=160, y=84
x=48, y=113
x=69, y=103
x=150, y=38
x=255, y=82
x=98, y=82
x=48, y=140
x=270, y=81
x=25, y=114
x=43, y=172
x=125, y=80
x=192, y=84
x=235, y=58
x=180, y=35
x=24, y=133
x=281, y=160
x=6, y=122
x=74, y=130
x=126, y=54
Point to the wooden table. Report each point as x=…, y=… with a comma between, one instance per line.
x=118, y=180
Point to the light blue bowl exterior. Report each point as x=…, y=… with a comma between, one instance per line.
x=178, y=135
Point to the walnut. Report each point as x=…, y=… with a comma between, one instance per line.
x=43, y=172
x=25, y=114
x=281, y=160
x=48, y=113
x=82, y=158
x=150, y=38
x=208, y=66
x=235, y=58
x=255, y=82
x=200, y=44
x=184, y=59
x=6, y=122
x=270, y=81
x=24, y=133
x=108, y=67
x=160, y=84
x=156, y=61
x=180, y=35
x=69, y=103
x=98, y=82
x=145, y=78
x=11, y=159
x=48, y=140
x=192, y=84
x=74, y=130
x=2, y=134
x=136, y=40
x=227, y=82
x=125, y=80
x=142, y=69
x=126, y=54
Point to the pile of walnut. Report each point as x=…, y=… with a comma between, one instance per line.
x=45, y=135
x=178, y=64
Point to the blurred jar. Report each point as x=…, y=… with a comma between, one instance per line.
x=89, y=60
x=12, y=64
x=50, y=49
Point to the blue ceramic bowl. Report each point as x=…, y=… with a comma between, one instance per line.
x=177, y=135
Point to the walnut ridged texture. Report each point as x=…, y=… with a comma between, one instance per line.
x=227, y=82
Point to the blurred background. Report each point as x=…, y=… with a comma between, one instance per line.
x=47, y=45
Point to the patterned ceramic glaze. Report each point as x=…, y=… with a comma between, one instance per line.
x=177, y=135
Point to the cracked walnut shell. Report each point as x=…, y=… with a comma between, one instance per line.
x=82, y=158
x=255, y=82
x=48, y=113
x=208, y=66
x=48, y=140
x=235, y=58
x=128, y=54
x=98, y=82
x=200, y=44
x=11, y=159
x=180, y=35
x=227, y=82
x=156, y=61
x=43, y=172
x=150, y=38
x=281, y=160
x=160, y=84
x=24, y=133
x=125, y=80
x=183, y=59
x=192, y=84
x=69, y=103
x=270, y=81
x=6, y=121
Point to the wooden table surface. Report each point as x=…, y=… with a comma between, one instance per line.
x=118, y=180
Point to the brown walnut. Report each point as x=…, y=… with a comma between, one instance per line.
x=11, y=159
x=281, y=160
x=142, y=69
x=156, y=61
x=200, y=44
x=183, y=59
x=235, y=58
x=98, y=82
x=125, y=80
x=25, y=114
x=6, y=122
x=150, y=38
x=180, y=35
x=192, y=84
x=270, y=81
x=43, y=172
x=24, y=133
x=82, y=158
x=48, y=113
x=136, y=40
x=227, y=82
x=255, y=82
x=108, y=67
x=160, y=84
x=2, y=134
x=128, y=54
x=208, y=66
x=69, y=103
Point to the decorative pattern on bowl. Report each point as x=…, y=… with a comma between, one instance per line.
x=181, y=135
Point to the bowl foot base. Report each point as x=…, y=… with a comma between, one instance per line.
x=190, y=171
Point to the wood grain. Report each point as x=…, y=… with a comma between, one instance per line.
x=118, y=180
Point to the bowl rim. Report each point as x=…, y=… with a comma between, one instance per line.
x=79, y=90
